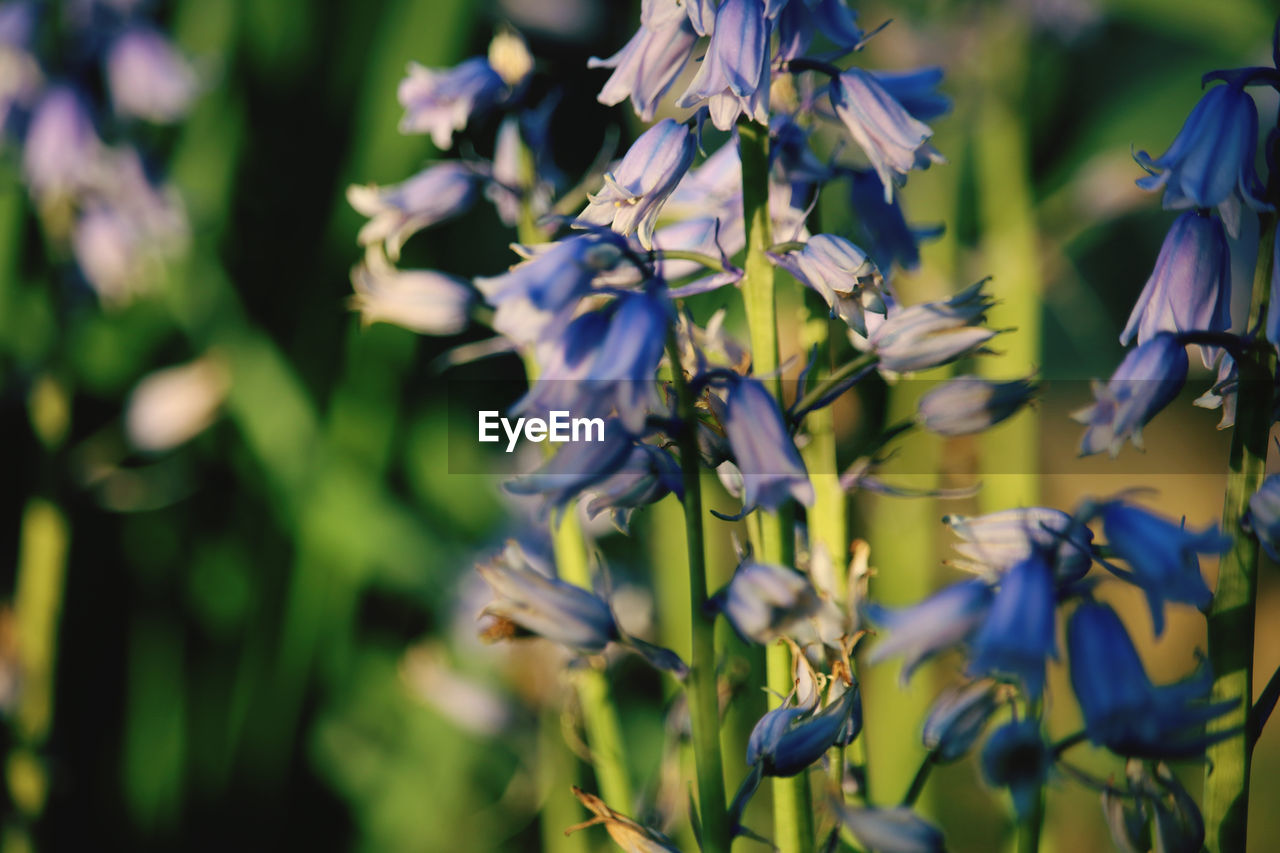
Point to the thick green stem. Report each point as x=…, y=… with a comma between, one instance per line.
x=1231, y=616
x=703, y=699
x=792, y=812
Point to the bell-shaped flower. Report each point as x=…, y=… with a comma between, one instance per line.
x=798, y=23
x=1154, y=812
x=1145, y=382
x=547, y=606
x=1162, y=555
x=957, y=718
x=536, y=298
x=651, y=61
x=916, y=90
x=1263, y=517
x=1123, y=710
x=1016, y=757
x=841, y=273
x=789, y=739
x=440, y=101
x=399, y=211
x=1222, y=393
x=882, y=224
x=1210, y=163
x=892, y=139
x=423, y=301
x=62, y=147
x=171, y=406
x=576, y=467
x=647, y=476
x=1190, y=287
x=523, y=176
x=734, y=75
x=943, y=621
x=968, y=404
x=634, y=193
x=763, y=450
x=996, y=542
x=889, y=830
x=148, y=78
x=1017, y=637
x=919, y=337
x=625, y=832
x=763, y=602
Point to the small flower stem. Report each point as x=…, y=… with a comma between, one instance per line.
x=792, y=811
x=918, y=781
x=1231, y=615
x=703, y=699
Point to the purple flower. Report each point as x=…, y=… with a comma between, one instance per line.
x=634, y=193
x=763, y=450
x=887, y=236
x=577, y=466
x=892, y=139
x=647, y=65
x=523, y=171
x=1015, y=757
x=1017, y=635
x=1263, y=517
x=917, y=91
x=943, y=621
x=931, y=334
x=788, y=740
x=1210, y=163
x=957, y=718
x=842, y=274
x=423, y=301
x=996, y=542
x=440, y=101
x=1190, y=287
x=61, y=147
x=890, y=830
x=647, y=476
x=148, y=78
x=833, y=19
x=1145, y=382
x=399, y=211
x=764, y=601
x=734, y=75
x=968, y=404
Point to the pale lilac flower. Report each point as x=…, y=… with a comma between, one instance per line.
x=1145, y=382
x=938, y=623
x=734, y=75
x=148, y=78
x=169, y=407
x=763, y=602
x=423, y=301
x=651, y=61
x=931, y=334
x=440, y=101
x=842, y=274
x=1263, y=517
x=765, y=454
x=969, y=404
x=917, y=91
x=958, y=716
x=577, y=466
x=635, y=192
x=890, y=830
x=399, y=211
x=648, y=475
x=995, y=542
x=61, y=146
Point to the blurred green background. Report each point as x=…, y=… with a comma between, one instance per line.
x=264, y=637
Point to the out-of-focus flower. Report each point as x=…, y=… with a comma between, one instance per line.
x=1263, y=517
x=892, y=139
x=1161, y=554
x=890, y=830
x=763, y=450
x=523, y=172
x=1123, y=711
x=577, y=466
x=969, y=404
x=148, y=78
x=648, y=475
x=626, y=833
x=1155, y=813
x=61, y=146
x=943, y=621
x=842, y=274
x=1190, y=287
x=1145, y=382
x=423, y=301
x=833, y=19
x=764, y=601
x=1210, y=163
x=1015, y=757
x=919, y=337
x=888, y=237
x=468, y=703
x=171, y=406
x=20, y=76
x=916, y=90
x=440, y=101
x=789, y=739
x=634, y=193
x=734, y=75
x=1017, y=636
x=651, y=61
x=957, y=718
x=399, y=211
x=996, y=542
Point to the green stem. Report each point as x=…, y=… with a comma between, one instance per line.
x=918, y=781
x=792, y=813
x=1029, y=830
x=703, y=700
x=1231, y=615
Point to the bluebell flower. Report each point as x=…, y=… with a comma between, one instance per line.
x=798, y=23
x=1123, y=710
x=1145, y=382
x=887, y=236
x=1222, y=393
x=1162, y=555
x=625, y=832
x=734, y=75
x=958, y=716
x=919, y=337
x=892, y=139
x=1017, y=636
x=996, y=542
x=943, y=621
x=537, y=297
x=763, y=602
x=841, y=273
x=440, y=101
x=648, y=475
x=968, y=404
x=423, y=301
x=701, y=14
x=1155, y=812
x=1015, y=757
x=523, y=175
x=634, y=193
x=1263, y=517
x=1190, y=287
x=399, y=211
x=789, y=739
x=651, y=61
x=148, y=78
x=763, y=450
x=576, y=467
x=917, y=91
x=546, y=606
x=1210, y=163
x=889, y=830
x=61, y=146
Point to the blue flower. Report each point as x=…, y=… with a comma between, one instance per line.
x=734, y=75
x=1017, y=635
x=577, y=466
x=889, y=830
x=148, y=78
x=1190, y=287
x=1156, y=812
x=399, y=211
x=648, y=475
x=1210, y=163
x=789, y=739
x=764, y=601
x=931, y=334
x=996, y=542
x=842, y=274
x=1162, y=555
x=61, y=145
x=968, y=404
x=1015, y=757
x=1145, y=382
x=892, y=139
x=887, y=236
x=523, y=141
x=1263, y=517
x=634, y=193
x=945, y=620
x=917, y=91
x=957, y=718
x=650, y=62
x=763, y=450
x=1122, y=710
x=833, y=19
